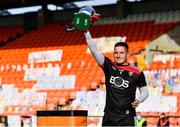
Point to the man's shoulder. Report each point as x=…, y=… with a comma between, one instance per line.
x=108, y=60
x=135, y=69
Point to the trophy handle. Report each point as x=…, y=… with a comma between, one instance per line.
x=69, y=28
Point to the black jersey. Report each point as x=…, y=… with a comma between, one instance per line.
x=121, y=84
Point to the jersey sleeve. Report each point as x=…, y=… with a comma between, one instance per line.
x=105, y=66
x=141, y=80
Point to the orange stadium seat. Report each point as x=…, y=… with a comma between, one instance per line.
x=152, y=121
x=173, y=121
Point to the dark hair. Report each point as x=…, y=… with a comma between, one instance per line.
x=123, y=44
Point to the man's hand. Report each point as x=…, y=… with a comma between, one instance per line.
x=135, y=103
x=95, y=17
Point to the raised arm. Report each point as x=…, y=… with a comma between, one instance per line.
x=93, y=48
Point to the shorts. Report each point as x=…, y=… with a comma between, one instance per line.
x=124, y=118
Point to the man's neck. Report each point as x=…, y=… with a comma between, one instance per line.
x=122, y=64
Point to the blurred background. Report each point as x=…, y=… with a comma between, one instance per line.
x=43, y=67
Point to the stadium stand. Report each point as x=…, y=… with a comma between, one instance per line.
x=158, y=17
x=17, y=70
x=9, y=33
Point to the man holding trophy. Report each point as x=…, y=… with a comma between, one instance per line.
x=121, y=78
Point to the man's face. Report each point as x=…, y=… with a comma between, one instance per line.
x=120, y=54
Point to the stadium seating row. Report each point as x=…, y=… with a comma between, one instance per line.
x=159, y=17
x=75, y=60
x=8, y=33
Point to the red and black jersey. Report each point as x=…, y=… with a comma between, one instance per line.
x=121, y=84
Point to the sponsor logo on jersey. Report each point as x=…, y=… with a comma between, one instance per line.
x=119, y=82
